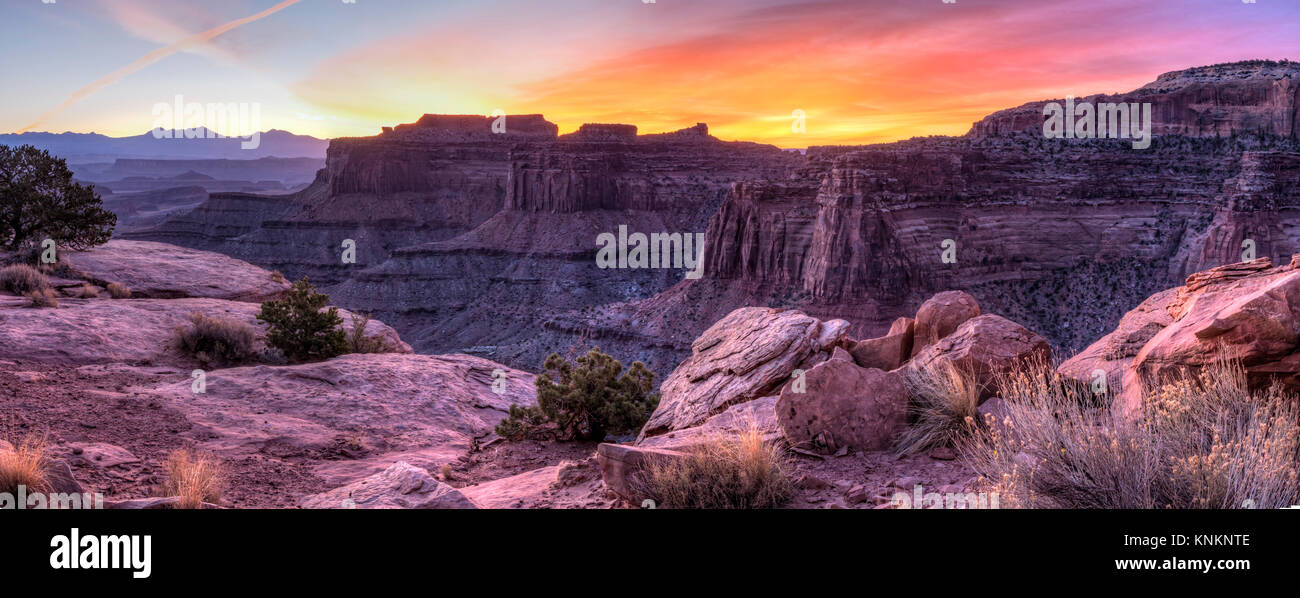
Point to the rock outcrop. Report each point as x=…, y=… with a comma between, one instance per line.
x=135, y=331
x=1255, y=96
x=844, y=405
x=985, y=347
x=567, y=485
x=1245, y=312
x=426, y=410
x=745, y=356
x=889, y=351
x=760, y=366
x=167, y=284
x=1106, y=359
x=940, y=315
x=401, y=486
x=162, y=271
x=623, y=468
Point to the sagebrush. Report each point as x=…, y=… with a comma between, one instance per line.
x=21, y=279
x=216, y=341
x=1201, y=440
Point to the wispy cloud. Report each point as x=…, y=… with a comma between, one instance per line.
x=154, y=56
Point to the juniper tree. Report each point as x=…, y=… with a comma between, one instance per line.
x=39, y=200
x=297, y=326
x=586, y=400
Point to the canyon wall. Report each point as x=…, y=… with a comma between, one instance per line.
x=485, y=243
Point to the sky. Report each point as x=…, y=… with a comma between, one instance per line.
x=860, y=71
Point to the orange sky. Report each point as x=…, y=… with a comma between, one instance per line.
x=861, y=70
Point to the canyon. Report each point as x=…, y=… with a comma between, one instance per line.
x=482, y=242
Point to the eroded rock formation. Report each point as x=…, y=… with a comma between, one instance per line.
x=473, y=241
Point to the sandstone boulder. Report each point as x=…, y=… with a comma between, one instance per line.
x=96, y=454
x=940, y=316
x=401, y=486
x=844, y=405
x=137, y=331
x=746, y=355
x=621, y=466
x=758, y=415
x=1248, y=312
x=1112, y=354
x=159, y=270
x=888, y=352
x=521, y=491
x=983, y=347
x=571, y=484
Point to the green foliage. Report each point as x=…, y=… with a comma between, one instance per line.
x=39, y=200
x=585, y=401
x=297, y=326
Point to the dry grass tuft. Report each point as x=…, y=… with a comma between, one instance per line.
x=742, y=472
x=193, y=477
x=942, y=399
x=358, y=342
x=118, y=291
x=216, y=340
x=25, y=465
x=43, y=298
x=21, y=279
x=1202, y=441
x=88, y=291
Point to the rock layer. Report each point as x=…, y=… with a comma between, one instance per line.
x=745, y=356
x=480, y=242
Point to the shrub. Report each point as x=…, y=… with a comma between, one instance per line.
x=358, y=342
x=744, y=472
x=1201, y=440
x=88, y=291
x=39, y=200
x=585, y=401
x=20, y=279
x=25, y=465
x=941, y=398
x=215, y=340
x=297, y=326
x=43, y=298
x=118, y=291
x=193, y=478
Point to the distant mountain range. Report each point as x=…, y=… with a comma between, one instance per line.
x=80, y=148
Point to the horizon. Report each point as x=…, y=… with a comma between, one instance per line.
x=341, y=69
